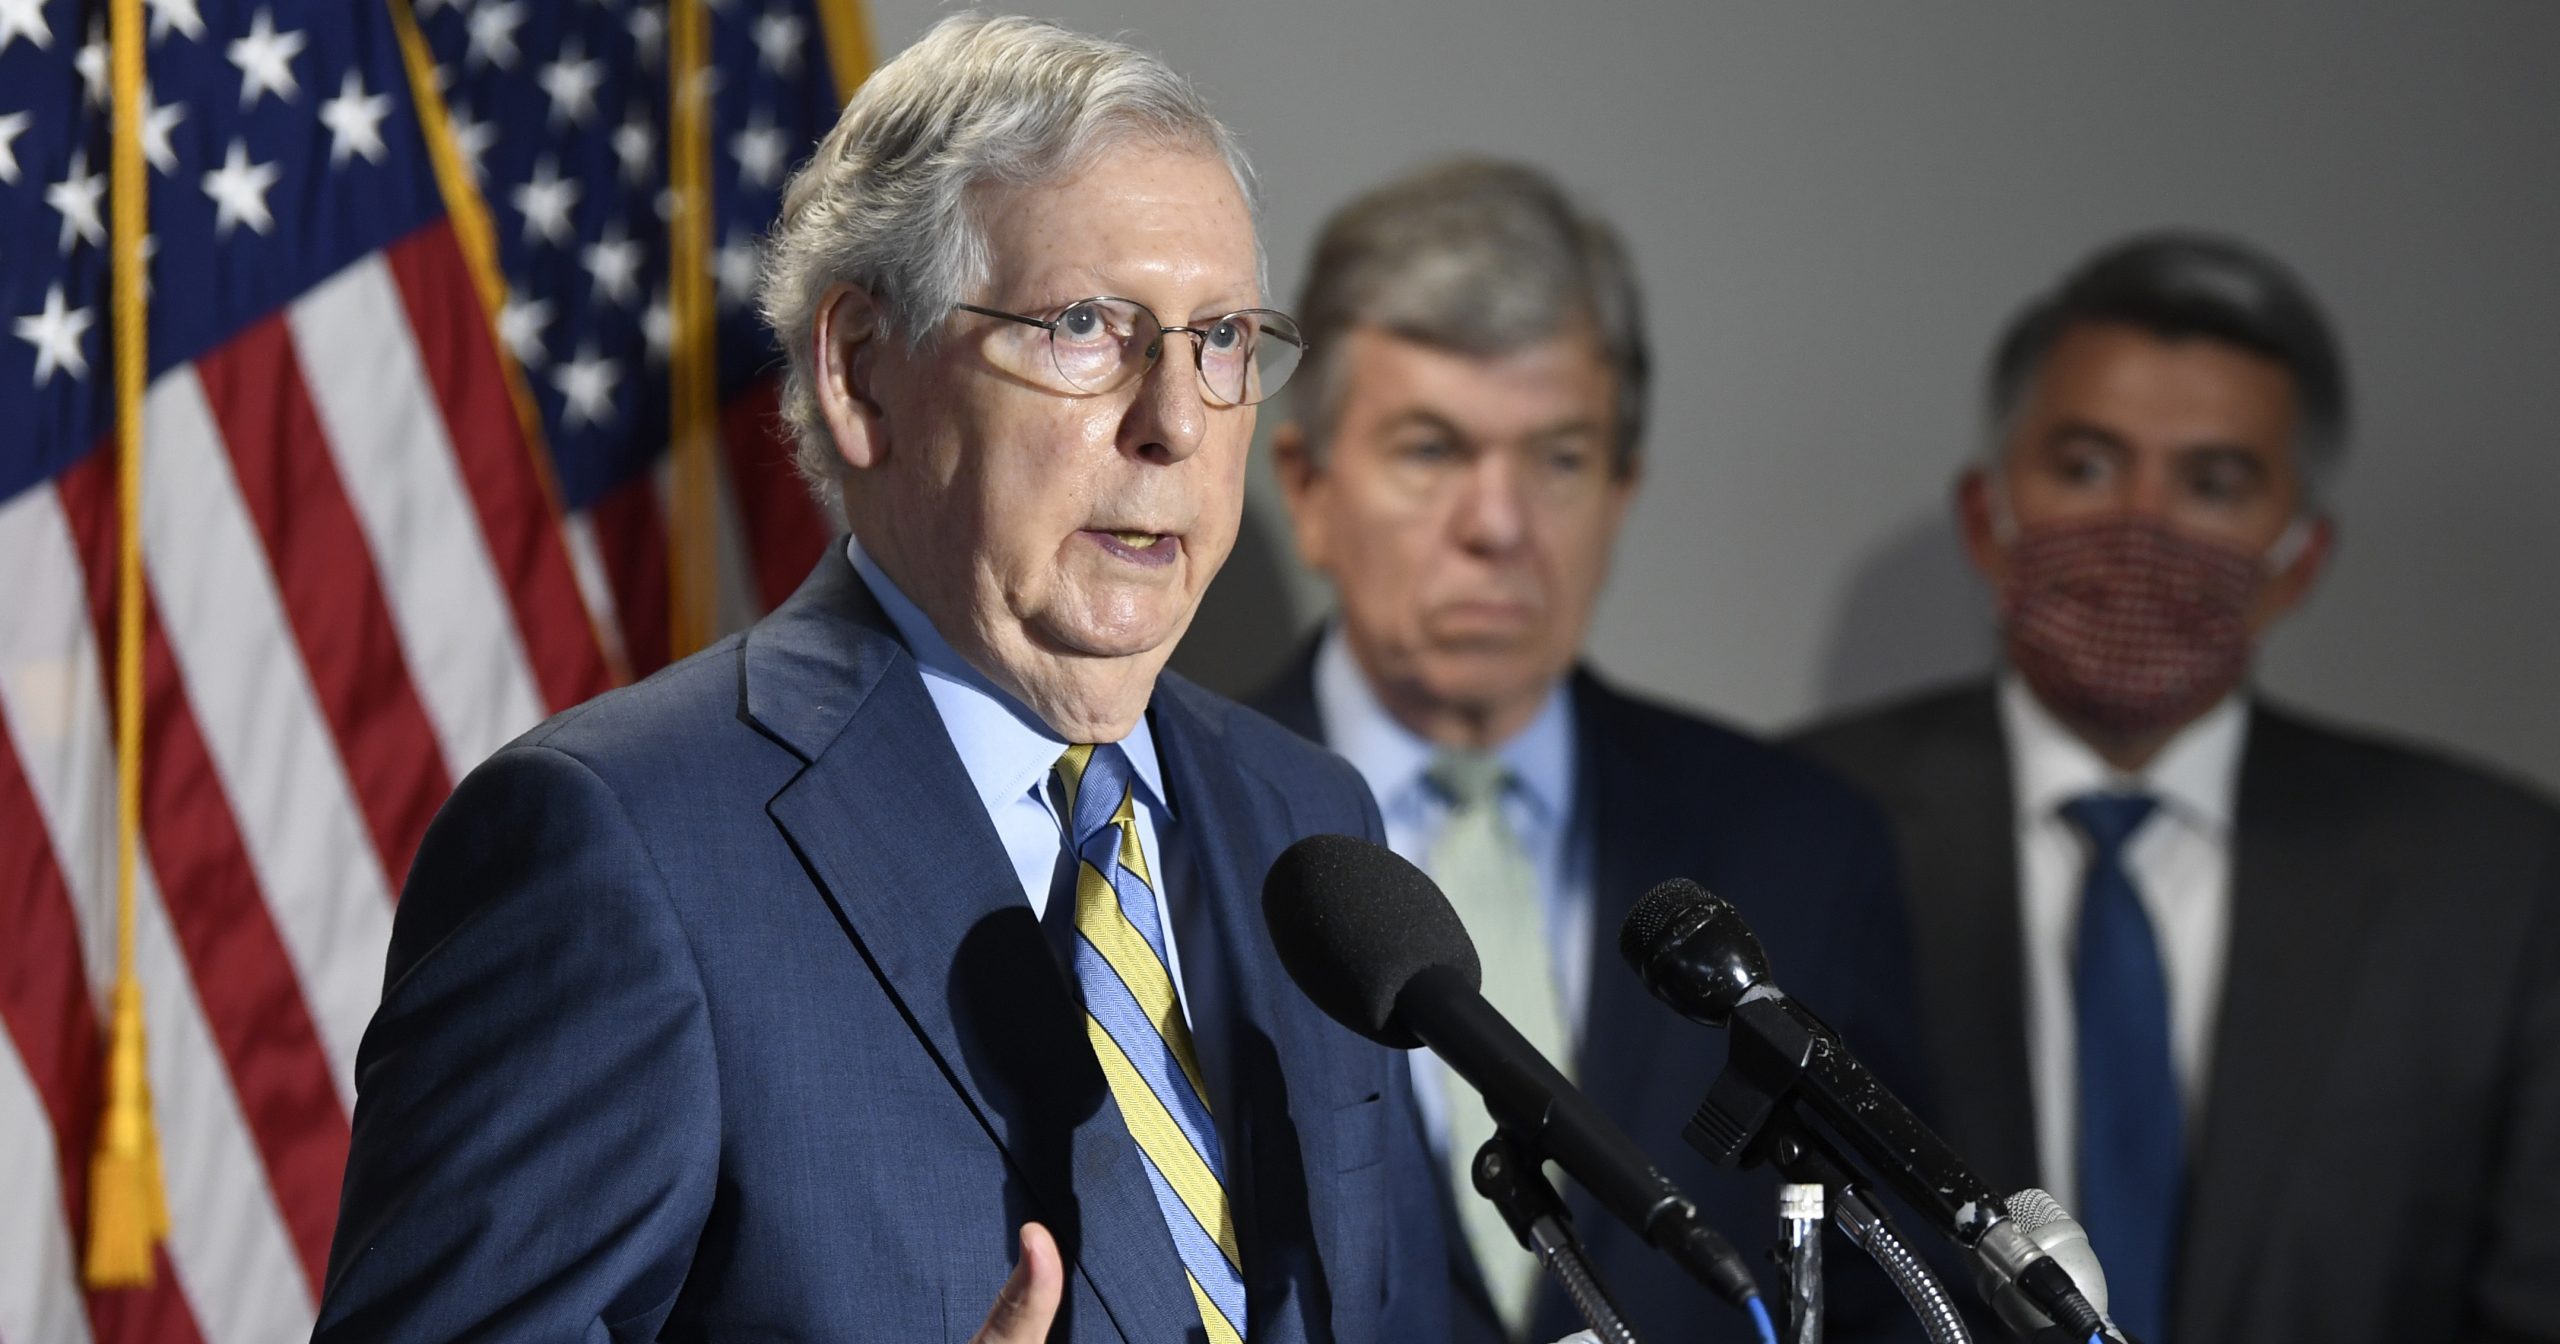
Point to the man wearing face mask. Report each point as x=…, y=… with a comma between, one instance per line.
x=2272, y=1006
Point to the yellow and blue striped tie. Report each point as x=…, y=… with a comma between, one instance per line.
x=1138, y=1031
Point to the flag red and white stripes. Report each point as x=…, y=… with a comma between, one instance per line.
x=359, y=576
x=356, y=591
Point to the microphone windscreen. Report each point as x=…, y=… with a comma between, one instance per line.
x=1354, y=923
x=1693, y=950
x=1656, y=913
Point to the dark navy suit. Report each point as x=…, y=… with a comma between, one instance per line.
x=714, y=1011
x=2380, y=1151
x=1811, y=866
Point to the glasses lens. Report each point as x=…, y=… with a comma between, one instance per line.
x=1099, y=343
x=1246, y=357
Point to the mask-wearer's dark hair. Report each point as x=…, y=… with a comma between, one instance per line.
x=2181, y=286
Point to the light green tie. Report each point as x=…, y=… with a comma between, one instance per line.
x=1487, y=874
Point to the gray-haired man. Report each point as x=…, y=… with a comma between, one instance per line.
x=784, y=995
x=1464, y=450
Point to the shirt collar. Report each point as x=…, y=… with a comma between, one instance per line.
x=1007, y=750
x=2195, y=775
x=1393, y=759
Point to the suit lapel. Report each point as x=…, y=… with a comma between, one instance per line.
x=1287, y=1115
x=1960, y=859
x=1624, y=824
x=2302, y=900
x=889, y=825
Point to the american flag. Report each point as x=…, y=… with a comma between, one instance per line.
x=384, y=528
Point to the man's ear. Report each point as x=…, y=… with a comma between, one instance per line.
x=1302, y=485
x=1977, y=520
x=848, y=335
x=2288, y=586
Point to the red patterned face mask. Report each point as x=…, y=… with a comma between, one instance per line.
x=2126, y=624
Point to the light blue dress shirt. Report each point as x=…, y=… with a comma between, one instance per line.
x=1010, y=754
x=1539, y=807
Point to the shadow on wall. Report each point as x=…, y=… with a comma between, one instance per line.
x=1249, y=620
x=1915, y=615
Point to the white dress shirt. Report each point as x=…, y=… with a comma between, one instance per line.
x=1009, y=754
x=2180, y=862
x=1539, y=809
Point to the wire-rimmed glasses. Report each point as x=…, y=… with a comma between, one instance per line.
x=1101, y=344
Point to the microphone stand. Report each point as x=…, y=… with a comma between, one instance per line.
x=1749, y=1117
x=1507, y=1170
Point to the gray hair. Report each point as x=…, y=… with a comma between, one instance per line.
x=1475, y=256
x=888, y=202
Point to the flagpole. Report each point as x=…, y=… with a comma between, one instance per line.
x=128, y=1206
x=693, y=353
x=848, y=38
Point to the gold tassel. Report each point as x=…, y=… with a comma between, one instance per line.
x=128, y=1209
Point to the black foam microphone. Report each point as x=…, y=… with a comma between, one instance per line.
x=1695, y=952
x=1374, y=943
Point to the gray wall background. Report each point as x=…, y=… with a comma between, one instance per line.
x=1834, y=206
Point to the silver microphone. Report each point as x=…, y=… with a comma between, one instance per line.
x=2037, y=1225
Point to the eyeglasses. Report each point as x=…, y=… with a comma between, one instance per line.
x=1101, y=344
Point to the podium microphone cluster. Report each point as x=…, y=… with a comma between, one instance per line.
x=1375, y=944
x=1693, y=950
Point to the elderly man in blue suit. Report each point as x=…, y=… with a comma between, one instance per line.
x=1463, y=449
x=893, y=971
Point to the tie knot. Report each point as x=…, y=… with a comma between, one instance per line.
x=1469, y=779
x=2109, y=819
x=1096, y=779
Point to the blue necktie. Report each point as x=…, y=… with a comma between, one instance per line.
x=1134, y=1020
x=2132, y=1145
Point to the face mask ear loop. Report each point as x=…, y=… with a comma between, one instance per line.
x=2289, y=546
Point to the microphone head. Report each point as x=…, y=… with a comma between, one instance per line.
x=2048, y=1229
x=1693, y=950
x=1354, y=923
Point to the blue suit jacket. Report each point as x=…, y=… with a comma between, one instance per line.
x=1811, y=865
x=714, y=1010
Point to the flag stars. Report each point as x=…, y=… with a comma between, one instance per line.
x=571, y=82
x=586, y=389
x=57, y=333
x=265, y=59
x=239, y=191
x=520, y=325
x=632, y=144
x=658, y=327
x=92, y=64
x=761, y=152
x=12, y=125
x=613, y=262
x=778, y=38
x=648, y=33
x=76, y=198
x=473, y=139
x=24, y=18
x=157, y=122
x=178, y=14
x=354, y=120
x=493, y=35
x=545, y=202
x=736, y=268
